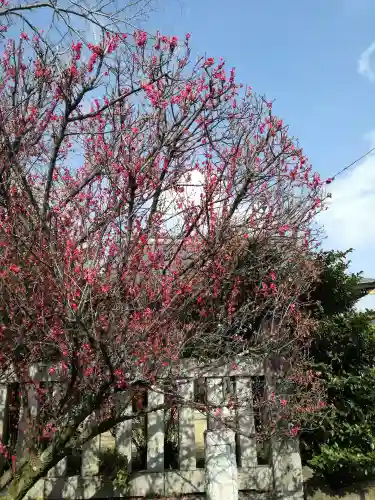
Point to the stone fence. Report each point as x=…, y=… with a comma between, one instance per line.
x=232, y=469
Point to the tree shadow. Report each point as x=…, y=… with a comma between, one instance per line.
x=314, y=485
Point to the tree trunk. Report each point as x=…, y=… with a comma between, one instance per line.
x=18, y=484
x=24, y=480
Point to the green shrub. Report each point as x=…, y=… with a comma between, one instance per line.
x=341, y=446
x=115, y=467
x=344, y=466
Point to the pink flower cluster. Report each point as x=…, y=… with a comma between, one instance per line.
x=140, y=38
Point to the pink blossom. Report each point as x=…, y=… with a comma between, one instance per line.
x=294, y=430
x=283, y=229
x=209, y=62
x=95, y=49
x=15, y=269
x=273, y=287
x=73, y=70
x=24, y=36
x=3, y=449
x=140, y=38
x=92, y=61
x=90, y=275
x=76, y=47
x=173, y=42
x=316, y=180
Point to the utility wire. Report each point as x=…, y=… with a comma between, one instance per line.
x=350, y=165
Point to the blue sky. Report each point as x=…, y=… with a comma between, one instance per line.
x=316, y=59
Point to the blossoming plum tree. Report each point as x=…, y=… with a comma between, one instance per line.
x=133, y=184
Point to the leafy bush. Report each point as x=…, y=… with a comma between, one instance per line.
x=344, y=466
x=341, y=447
x=114, y=466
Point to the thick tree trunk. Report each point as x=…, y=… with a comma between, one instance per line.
x=25, y=480
x=73, y=436
x=17, y=485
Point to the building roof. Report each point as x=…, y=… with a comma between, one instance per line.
x=367, y=284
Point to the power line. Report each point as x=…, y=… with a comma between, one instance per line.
x=350, y=165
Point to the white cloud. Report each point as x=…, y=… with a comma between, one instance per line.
x=364, y=63
x=349, y=220
x=350, y=217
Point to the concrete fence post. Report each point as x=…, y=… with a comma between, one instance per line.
x=287, y=469
x=221, y=467
x=155, y=433
x=286, y=458
x=90, y=451
x=4, y=409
